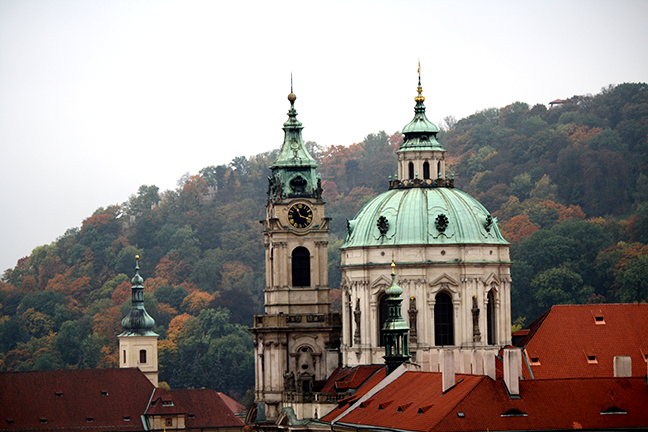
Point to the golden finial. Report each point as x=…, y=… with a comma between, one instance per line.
x=136, y=256
x=419, y=97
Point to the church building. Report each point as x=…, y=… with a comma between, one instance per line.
x=453, y=263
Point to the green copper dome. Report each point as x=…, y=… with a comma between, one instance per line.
x=422, y=216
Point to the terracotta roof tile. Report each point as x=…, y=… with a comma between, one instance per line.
x=66, y=399
x=543, y=405
x=573, y=341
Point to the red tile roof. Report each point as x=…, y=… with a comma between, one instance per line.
x=205, y=409
x=72, y=399
x=344, y=378
x=363, y=388
x=235, y=406
x=562, y=339
x=415, y=402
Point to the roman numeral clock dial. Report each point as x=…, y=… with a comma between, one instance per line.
x=300, y=215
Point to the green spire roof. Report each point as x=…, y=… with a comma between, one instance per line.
x=293, y=173
x=395, y=329
x=293, y=151
x=420, y=133
x=138, y=322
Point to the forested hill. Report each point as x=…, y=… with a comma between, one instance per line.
x=568, y=185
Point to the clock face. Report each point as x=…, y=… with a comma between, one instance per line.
x=300, y=215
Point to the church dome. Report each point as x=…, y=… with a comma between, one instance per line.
x=422, y=216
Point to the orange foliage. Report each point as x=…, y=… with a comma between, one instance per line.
x=579, y=134
x=572, y=212
x=167, y=346
x=122, y=293
x=173, y=269
x=107, y=324
x=152, y=284
x=176, y=326
x=165, y=309
x=97, y=220
x=517, y=228
x=233, y=271
x=195, y=185
x=71, y=287
x=196, y=301
x=630, y=253
x=29, y=284
x=330, y=189
x=79, y=286
x=109, y=358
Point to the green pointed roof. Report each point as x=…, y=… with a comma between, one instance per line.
x=420, y=133
x=138, y=322
x=293, y=173
x=293, y=151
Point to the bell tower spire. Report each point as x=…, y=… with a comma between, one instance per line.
x=297, y=337
x=138, y=343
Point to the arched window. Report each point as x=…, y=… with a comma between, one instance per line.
x=301, y=267
x=426, y=170
x=142, y=356
x=384, y=314
x=490, y=319
x=439, y=169
x=443, y=322
x=411, y=170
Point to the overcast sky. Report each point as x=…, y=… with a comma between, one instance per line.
x=100, y=97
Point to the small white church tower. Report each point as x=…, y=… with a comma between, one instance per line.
x=137, y=343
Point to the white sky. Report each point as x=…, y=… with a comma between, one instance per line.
x=100, y=97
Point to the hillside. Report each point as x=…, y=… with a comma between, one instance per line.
x=568, y=185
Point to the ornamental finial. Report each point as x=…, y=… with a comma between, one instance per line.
x=291, y=97
x=419, y=97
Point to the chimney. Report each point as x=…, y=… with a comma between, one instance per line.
x=622, y=366
x=512, y=359
x=489, y=364
x=447, y=369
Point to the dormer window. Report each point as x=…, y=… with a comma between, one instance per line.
x=167, y=403
x=514, y=412
x=599, y=319
x=613, y=410
x=59, y=394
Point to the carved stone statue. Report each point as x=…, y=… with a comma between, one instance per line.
x=475, y=316
x=319, y=190
x=413, y=313
x=356, y=318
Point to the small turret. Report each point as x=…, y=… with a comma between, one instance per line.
x=395, y=329
x=138, y=322
x=421, y=157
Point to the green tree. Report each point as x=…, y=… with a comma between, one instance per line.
x=559, y=286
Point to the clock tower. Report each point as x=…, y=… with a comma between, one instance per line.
x=297, y=339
